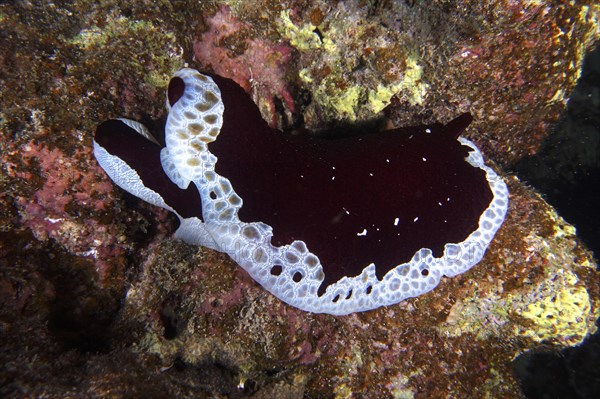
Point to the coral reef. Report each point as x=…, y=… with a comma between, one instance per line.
x=256, y=64
x=95, y=300
x=513, y=65
x=346, y=83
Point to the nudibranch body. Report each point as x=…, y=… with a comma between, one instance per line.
x=327, y=225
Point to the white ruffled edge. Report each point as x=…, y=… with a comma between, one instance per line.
x=299, y=271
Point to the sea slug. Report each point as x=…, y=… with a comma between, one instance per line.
x=327, y=225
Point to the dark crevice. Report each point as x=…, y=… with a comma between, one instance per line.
x=566, y=171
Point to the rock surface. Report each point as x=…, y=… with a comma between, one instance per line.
x=96, y=299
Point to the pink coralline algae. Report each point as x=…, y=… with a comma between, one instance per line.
x=259, y=67
x=54, y=210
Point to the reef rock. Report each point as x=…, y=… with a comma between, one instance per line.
x=97, y=299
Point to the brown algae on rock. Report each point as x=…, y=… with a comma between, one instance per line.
x=176, y=321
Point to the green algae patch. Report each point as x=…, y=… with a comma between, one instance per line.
x=352, y=67
x=564, y=314
x=380, y=98
x=412, y=83
x=144, y=35
x=398, y=387
x=302, y=37
x=97, y=36
x=344, y=102
x=411, y=86
x=481, y=316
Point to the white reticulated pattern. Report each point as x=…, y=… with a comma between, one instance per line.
x=129, y=180
x=291, y=272
x=193, y=121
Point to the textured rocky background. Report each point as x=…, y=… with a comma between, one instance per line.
x=96, y=300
